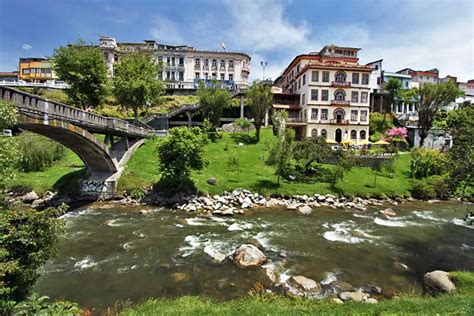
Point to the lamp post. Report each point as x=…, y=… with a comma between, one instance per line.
x=264, y=65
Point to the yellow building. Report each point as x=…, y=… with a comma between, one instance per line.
x=36, y=70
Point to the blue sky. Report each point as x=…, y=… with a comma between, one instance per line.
x=405, y=33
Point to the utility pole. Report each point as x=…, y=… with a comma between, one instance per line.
x=264, y=65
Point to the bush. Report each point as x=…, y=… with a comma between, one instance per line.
x=42, y=306
x=441, y=186
x=38, y=152
x=422, y=190
x=427, y=162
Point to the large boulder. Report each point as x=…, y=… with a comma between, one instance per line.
x=249, y=256
x=305, y=284
x=304, y=210
x=353, y=296
x=388, y=212
x=437, y=282
x=29, y=197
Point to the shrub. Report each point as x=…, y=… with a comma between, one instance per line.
x=43, y=306
x=422, y=190
x=38, y=152
x=427, y=162
x=441, y=186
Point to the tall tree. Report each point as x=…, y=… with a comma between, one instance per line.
x=280, y=153
x=432, y=97
x=9, y=154
x=83, y=68
x=213, y=100
x=135, y=83
x=259, y=98
x=392, y=90
x=312, y=149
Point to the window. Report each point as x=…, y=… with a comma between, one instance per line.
x=363, y=97
x=160, y=59
x=299, y=83
x=173, y=76
x=181, y=76
x=222, y=76
x=173, y=61
x=315, y=76
x=363, y=116
x=196, y=75
x=324, y=115
x=353, y=134
x=181, y=61
x=355, y=96
x=304, y=79
x=365, y=78
x=325, y=76
x=340, y=77
x=303, y=99
x=324, y=133
x=206, y=62
x=314, y=95
x=378, y=80
x=339, y=95
x=376, y=67
x=26, y=71
x=168, y=75
x=362, y=134
x=206, y=75
x=214, y=76
x=168, y=61
x=231, y=63
x=197, y=62
x=314, y=114
x=314, y=132
x=222, y=63
x=324, y=95
x=298, y=68
x=214, y=63
x=353, y=115
x=355, y=78
x=231, y=77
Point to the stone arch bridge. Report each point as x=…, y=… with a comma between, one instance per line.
x=76, y=130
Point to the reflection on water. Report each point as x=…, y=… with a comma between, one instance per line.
x=121, y=254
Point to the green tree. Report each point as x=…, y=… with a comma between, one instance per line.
x=259, y=98
x=9, y=154
x=135, y=83
x=460, y=124
x=313, y=149
x=83, y=68
x=392, y=89
x=280, y=153
x=432, y=97
x=279, y=122
x=179, y=153
x=345, y=162
x=213, y=100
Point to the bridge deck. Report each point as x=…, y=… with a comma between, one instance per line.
x=35, y=106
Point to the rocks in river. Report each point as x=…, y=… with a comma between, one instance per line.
x=304, y=210
x=212, y=181
x=353, y=296
x=248, y=256
x=371, y=300
x=432, y=201
x=388, y=212
x=437, y=282
x=305, y=284
x=292, y=206
x=217, y=256
x=337, y=300
x=401, y=266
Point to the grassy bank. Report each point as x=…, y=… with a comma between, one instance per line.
x=256, y=176
x=461, y=303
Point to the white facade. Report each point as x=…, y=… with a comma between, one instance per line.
x=184, y=66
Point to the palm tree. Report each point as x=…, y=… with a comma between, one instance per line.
x=392, y=91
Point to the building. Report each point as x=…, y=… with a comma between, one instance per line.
x=333, y=92
x=466, y=87
x=36, y=70
x=184, y=66
x=419, y=77
x=9, y=76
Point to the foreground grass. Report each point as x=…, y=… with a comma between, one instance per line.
x=256, y=176
x=461, y=303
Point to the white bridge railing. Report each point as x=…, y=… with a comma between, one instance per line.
x=52, y=85
x=46, y=109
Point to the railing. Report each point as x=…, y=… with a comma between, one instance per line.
x=341, y=84
x=340, y=102
x=339, y=122
x=295, y=120
x=34, y=105
x=34, y=84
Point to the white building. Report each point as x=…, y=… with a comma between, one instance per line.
x=184, y=66
x=333, y=91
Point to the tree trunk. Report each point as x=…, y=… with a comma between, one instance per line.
x=257, y=132
x=135, y=115
x=422, y=138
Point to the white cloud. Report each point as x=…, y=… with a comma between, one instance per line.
x=165, y=30
x=26, y=46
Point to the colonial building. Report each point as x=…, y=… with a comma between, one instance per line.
x=184, y=66
x=419, y=77
x=333, y=92
x=36, y=70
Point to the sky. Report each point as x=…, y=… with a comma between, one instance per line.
x=419, y=34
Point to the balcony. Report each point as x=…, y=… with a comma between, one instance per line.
x=295, y=121
x=197, y=67
x=339, y=122
x=231, y=68
x=246, y=68
x=341, y=102
x=221, y=68
x=344, y=84
x=205, y=67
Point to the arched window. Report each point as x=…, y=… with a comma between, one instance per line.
x=339, y=95
x=353, y=134
x=340, y=76
x=339, y=115
x=362, y=134
x=324, y=133
x=314, y=132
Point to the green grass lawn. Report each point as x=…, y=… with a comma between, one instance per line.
x=256, y=176
x=461, y=303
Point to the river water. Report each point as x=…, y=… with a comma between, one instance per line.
x=113, y=253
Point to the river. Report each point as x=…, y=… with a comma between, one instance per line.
x=113, y=253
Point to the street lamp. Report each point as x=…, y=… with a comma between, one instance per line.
x=264, y=65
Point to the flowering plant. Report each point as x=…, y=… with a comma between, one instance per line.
x=397, y=134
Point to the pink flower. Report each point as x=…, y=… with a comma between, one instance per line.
x=398, y=132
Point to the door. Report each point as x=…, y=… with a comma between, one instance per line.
x=338, y=135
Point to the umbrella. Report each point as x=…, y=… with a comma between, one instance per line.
x=381, y=142
x=330, y=141
x=347, y=142
x=365, y=142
